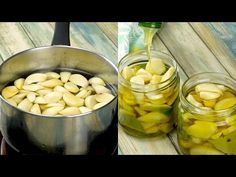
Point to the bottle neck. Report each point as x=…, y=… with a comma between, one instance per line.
x=149, y=29
x=151, y=24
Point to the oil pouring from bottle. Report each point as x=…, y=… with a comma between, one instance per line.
x=150, y=29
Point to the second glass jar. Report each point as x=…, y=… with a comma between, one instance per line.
x=207, y=115
x=148, y=110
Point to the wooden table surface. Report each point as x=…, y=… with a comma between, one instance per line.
x=197, y=47
x=98, y=37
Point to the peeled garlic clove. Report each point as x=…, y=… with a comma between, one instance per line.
x=12, y=102
x=202, y=129
x=196, y=96
x=84, y=93
x=52, y=75
x=144, y=74
x=90, y=101
x=172, y=98
x=25, y=105
x=128, y=72
x=229, y=130
x=99, y=105
x=139, y=111
x=35, y=109
x=130, y=101
x=156, y=99
x=58, y=104
x=89, y=88
x=84, y=109
x=34, y=78
x=155, y=66
x=31, y=96
x=71, y=87
x=227, y=95
x=65, y=76
x=100, y=89
x=139, y=97
x=221, y=87
x=53, y=97
x=23, y=91
x=32, y=87
x=52, y=111
x=79, y=80
x=97, y=80
x=9, y=91
x=208, y=87
x=146, y=78
x=209, y=103
x=60, y=89
x=19, y=97
x=40, y=100
x=209, y=95
x=225, y=103
x=70, y=111
x=19, y=83
x=62, y=102
x=155, y=79
x=128, y=96
x=51, y=83
x=154, y=96
x=217, y=135
x=192, y=100
x=44, y=91
x=137, y=80
x=169, y=73
x=72, y=100
x=142, y=71
x=104, y=97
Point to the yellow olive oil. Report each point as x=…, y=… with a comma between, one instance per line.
x=150, y=29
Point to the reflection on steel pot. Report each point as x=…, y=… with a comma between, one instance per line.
x=30, y=133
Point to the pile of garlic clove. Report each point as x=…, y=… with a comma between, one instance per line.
x=155, y=72
x=153, y=76
x=58, y=94
x=212, y=96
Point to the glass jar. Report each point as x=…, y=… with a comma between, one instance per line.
x=147, y=110
x=203, y=131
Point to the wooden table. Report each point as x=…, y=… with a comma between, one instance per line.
x=197, y=47
x=98, y=37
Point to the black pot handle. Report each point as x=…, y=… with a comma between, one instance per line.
x=61, y=34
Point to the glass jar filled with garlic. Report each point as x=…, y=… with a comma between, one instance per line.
x=207, y=115
x=147, y=92
x=61, y=93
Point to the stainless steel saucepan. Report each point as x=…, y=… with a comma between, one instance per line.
x=30, y=133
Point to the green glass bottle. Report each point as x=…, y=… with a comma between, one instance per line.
x=150, y=29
